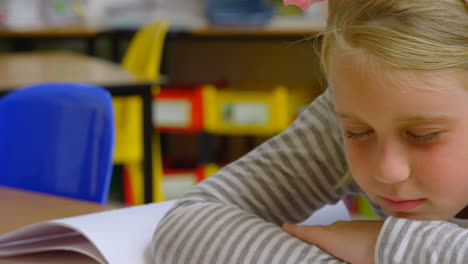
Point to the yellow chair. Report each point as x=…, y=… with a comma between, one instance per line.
x=143, y=59
x=143, y=55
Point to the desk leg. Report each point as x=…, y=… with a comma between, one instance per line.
x=148, y=145
x=90, y=46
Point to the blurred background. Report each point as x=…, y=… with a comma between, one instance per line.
x=229, y=75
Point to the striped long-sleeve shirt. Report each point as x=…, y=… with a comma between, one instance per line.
x=235, y=216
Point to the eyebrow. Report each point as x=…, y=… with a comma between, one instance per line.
x=423, y=119
x=407, y=119
x=346, y=116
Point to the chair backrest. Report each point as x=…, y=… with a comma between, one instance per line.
x=143, y=55
x=58, y=139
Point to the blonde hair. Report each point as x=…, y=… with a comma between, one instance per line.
x=406, y=34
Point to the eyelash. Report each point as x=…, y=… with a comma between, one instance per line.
x=418, y=139
x=429, y=138
x=358, y=136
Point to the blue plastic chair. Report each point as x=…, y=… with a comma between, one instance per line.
x=58, y=139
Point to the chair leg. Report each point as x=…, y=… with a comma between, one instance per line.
x=135, y=176
x=128, y=195
x=158, y=190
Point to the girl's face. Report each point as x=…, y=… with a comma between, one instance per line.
x=405, y=135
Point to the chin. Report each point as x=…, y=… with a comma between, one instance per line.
x=417, y=216
x=410, y=216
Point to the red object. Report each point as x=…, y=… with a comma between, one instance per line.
x=198, y=172
x=129, y=198
x=351, y=203
x=193, y=95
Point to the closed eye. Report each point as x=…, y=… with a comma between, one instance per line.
x=358, y=136
x=424, y=139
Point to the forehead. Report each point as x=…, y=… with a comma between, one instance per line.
x=357, y=67
x=366, y=88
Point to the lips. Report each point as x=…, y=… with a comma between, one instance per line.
x=402, y=205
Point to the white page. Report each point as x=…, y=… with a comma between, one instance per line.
x=329, y=214
x=123, y=235
x=47, y=236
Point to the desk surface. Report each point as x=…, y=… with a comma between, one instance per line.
x=20, y=69
x=19, y=208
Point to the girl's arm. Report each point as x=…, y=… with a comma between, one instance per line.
x=393, y=241
x=235, y=216
x=409, y=241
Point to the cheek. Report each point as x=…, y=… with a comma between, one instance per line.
x=358, y=156
x=442, y=177
x=441, y=170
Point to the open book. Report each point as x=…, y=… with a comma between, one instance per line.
x=116, y=236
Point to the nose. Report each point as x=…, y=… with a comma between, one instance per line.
x=392, y=166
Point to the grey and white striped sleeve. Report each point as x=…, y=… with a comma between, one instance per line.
x=409, y=241
x=235, y=215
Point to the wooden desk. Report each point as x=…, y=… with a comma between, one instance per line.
x=26, y=68
x=21, y=69
x=19, y=208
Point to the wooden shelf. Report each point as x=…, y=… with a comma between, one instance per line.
x=44, y=32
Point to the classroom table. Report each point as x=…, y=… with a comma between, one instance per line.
x=19, y=208
x=20, y=69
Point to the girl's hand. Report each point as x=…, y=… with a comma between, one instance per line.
x=351, y=241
